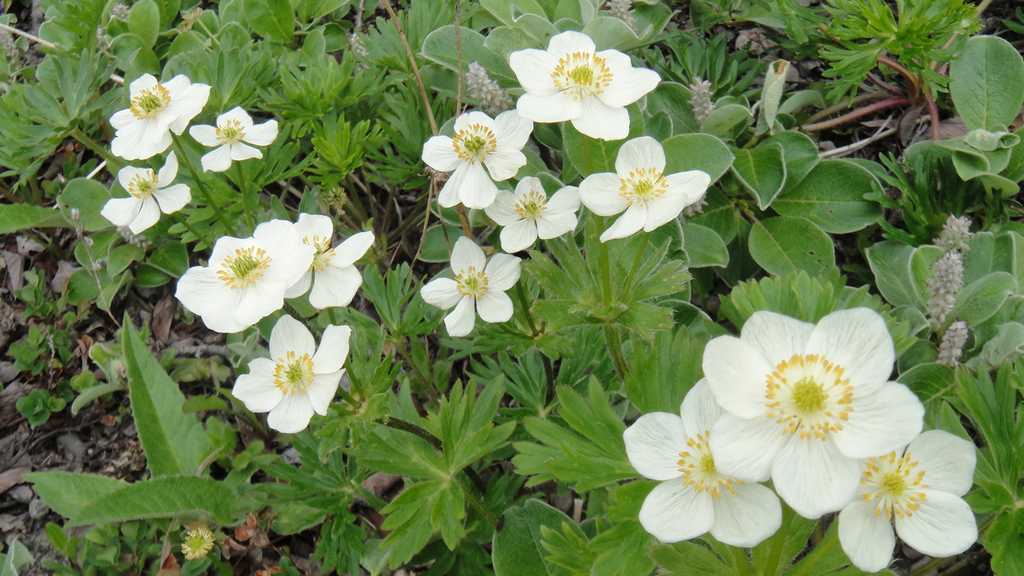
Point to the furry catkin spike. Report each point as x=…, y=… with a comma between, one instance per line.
x=623, y=10
x=701, y=100
x=944, y=284
x=956, y=232
x=952, y=345
x=485, y=90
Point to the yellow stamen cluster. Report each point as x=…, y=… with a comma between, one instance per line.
x=472, y=282
x=151, y=102
x=530, y=206
x=197, y=543
x=895, y=484
x=324, y=252
x=245, y=267
x=143, y=185
x=230, y=132
x=642, y=185
x=581, y=74
x=698, y=468
x=809, y=396
x=293, y=373
x=474, y=142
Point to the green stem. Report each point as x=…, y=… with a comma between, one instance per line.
x=96, y=148
x=740, y=561
x=249, y=200
x=524, y=304
x=184, y=158
x=615, y=349
x=604, y=270
x=637, y=259
x=771, y=567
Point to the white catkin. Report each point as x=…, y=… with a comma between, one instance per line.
x=119, y=11
x=701, y=99
x=491, y=98
x=697, y=207
x=623, y=10
x=956, y=232
x=944, y=284
x=952, y=345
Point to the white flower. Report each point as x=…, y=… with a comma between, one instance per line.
x=805, y=403
x=157, y=109
x=529, y=213
x=641, y=189
x=232, y=136
x=479, y=284
x=478, y=142
x=920, y=490
x=246, y=278
x=298, y=379
x=150, y=194
x=694, y=497
x=332, y=274
x=571, y=81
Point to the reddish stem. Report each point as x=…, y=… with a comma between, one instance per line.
x=855, y=114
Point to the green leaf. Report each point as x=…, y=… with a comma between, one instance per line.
x=986, y=82
x=17, y=217
x=690, y=559
x=799, y=152
x=657, y=380
x=771, y=93
x=697, y=152
x=68, y=493
x=981, y=299
x=832, y=196
x=728, y=121
x=144, y=21
x=783, y=245
x=439, y=47
x=762, y=171
x=1004, y=540
x=589, y=155
x=166, y=497
x=704, y=247
x=16, y=558
x=931, y=382
x=271, y=18
x=516, y=549
x=87, y=197
x=174, y=442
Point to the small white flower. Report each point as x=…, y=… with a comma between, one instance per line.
x=806, y=403
x=478, y=142
x=298, y=379
x=246, y=278
x=572, y=81
x=528, y=214
x=150, y=194
x=694, y=497
x=231, y=137
x=639, y=187
x=919, y=490
x=332, y=274
x=157, y=109
x=478, y=288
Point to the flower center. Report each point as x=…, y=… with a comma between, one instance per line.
x=293, y=373
x=324, y=253
x=230, y=132
x=894, y=484
x=642, y=185
x=472, y=282
x=809, y=396
x=581, y=74
x=151, y=102
x=531, y=205
x=197, y=543
x=474, y=142
x=143, y=185
x=698, y=468
x=245, y=267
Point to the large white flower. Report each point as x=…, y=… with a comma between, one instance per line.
x=150, y=193
x=528, y=213
x=920, y=490
x=572, y=81
x=298, y=379
x=806, y=403
x=694, y=497
x=639, y=187
x=332, y=274
x=231, y=138
x=157, y=109
x=246, y=278
x=478, y=288
x=478, y=142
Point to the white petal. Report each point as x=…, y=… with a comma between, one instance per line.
x=290, y=256
x=631, y=222
x=518, y=236
x=554, y=224
x=653, y=444
x=857, y=340
x=502, y=271
x=674, y=512
x=662, y=211
x=532, y=68
x=352, y=249
x=571, y=41
x=449, y=195
x=121, y=119
x=439, y=154
x=186, y=105
x=504, y=162
x=140, y=140
x=205, y=135
x=241, y=152
x=598, y=120
x=512, y=130
x=474, y=117
x=494, y=307
x=168, y=171
x=217, y=160
x=943, y=526
x=557, y=107
x=745, y=448
x=121, y=211
x=314, y=226
x=202, y=293
x=290, y=335
x=640, y=154
x=149, y=214
x=776, y=336
x=459, y=322
x=322, y=391
x=814, y=477
x=262, y=134
x=236, y=114
x=880, y=423
x=566, y=199
x=503, y=210
x=476, y=189
x=866, y=537
x=441, y=292
x=737, y=374
x=330, y=355
x=700, y=411
x=947, y=461
x=334, y=286
x=628, y=84
x=258, y=301
x=465, y=255
x=292, y=414
x=142, y=83
x=684, y=188
x=257, y=389
x=300, y=287
x=747, y=516
x=173, y=198
x=600, y=194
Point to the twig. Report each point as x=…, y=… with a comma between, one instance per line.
x=426, y=219
x=97, y=170
x=31, y=37
x=933, y=115
x=855, y=114
x=826, y=112
x=880, y=134
x=412, y=62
